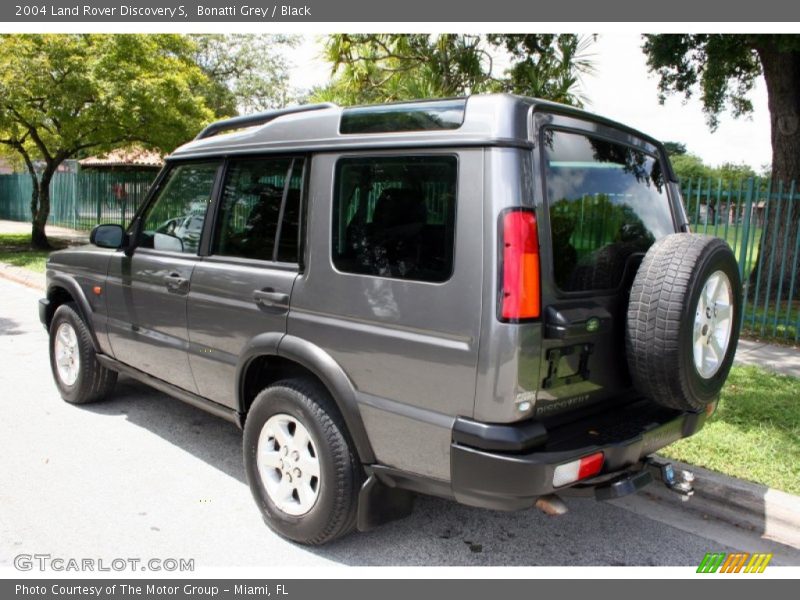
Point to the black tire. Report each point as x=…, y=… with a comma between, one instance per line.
x=334, y=513
x=661, y=320
x=94, y=382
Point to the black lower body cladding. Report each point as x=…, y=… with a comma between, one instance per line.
x=683, y=320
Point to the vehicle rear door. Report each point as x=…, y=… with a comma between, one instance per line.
x=393, y=292
x=604, y=200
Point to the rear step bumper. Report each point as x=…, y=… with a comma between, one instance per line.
x=513, y=478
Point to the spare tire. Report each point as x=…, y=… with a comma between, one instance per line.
x=683, y=320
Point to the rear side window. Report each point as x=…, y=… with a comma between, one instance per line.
x=260, y=209
x=395, y=216
x=607, y=202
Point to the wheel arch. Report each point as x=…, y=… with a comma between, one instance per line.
x=61, y=290
x=273, y=356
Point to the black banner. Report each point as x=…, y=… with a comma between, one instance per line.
x=394, y=589
x=359, y=11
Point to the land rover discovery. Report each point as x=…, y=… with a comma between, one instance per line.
x=492, y=299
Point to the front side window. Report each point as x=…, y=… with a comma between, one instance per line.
x=174, y=220
x=607, y=202
x=395, y=216
x=260, y=209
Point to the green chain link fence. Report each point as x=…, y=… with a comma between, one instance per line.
x=739, y=212
x=79, y=200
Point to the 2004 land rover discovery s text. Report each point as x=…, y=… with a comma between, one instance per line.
x=493, y=299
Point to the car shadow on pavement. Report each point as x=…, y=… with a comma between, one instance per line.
x=9, y=327
x=439, y=532
x=213, y=440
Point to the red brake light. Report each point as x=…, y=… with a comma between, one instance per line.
x=520, y=293
x=590, y=465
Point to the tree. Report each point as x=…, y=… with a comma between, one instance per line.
x=675, y=148
x=387, y=67
x=246, y=72
x=729, y=172
x=724, y=68
x=689, y=167
x=61, y=95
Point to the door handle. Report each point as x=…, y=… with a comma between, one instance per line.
x=176, y=283
x=271, y=298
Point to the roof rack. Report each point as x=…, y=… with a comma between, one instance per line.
x=258, y=119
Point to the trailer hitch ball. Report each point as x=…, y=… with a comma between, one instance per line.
x=678, y=480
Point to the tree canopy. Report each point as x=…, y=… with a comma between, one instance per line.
x=61, y=95
x=688, y=165
x=675, y=148
x=372, y=68
x=246, y=72
x=723, y=69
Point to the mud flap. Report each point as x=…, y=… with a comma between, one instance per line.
x=378, y=504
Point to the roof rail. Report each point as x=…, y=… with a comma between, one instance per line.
x=258, y=118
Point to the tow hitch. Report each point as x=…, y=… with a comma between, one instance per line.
x=677, y=480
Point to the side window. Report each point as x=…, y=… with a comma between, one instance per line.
x=395, y=216
x=606, y=202
x=260, y=205
x=174, y=220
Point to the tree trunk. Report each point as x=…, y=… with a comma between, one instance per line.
x=40, y=209
x=779, y=237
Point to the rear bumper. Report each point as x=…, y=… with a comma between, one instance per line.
x=513, y=479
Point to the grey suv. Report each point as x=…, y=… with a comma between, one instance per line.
x=493, y=299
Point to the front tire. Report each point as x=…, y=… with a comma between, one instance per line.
x=80, y=378
x=300, y=465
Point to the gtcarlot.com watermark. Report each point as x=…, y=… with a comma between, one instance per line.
x=48, y=562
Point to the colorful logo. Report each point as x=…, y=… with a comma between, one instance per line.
x=738, y=562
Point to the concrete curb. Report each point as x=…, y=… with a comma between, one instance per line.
x=24, y=276
x=772, y=513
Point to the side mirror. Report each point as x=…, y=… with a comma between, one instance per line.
x=107, y=236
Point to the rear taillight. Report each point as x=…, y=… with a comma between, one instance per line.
x=577, y=469
x=519, y=287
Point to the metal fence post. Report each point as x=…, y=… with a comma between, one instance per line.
x=764, y=225
x=768, y=292
x=743, y=251
x=788, y=212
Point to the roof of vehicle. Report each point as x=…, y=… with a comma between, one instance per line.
x=490, y=119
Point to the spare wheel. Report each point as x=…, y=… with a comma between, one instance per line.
x=683, y=320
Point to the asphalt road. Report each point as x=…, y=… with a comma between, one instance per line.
x=143, y=475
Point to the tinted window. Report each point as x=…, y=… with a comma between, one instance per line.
x=174, y=220
x=395, y=217
x=607, y=203
x=255, y=198
x=415, y=116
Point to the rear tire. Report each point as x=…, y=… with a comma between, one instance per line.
x=293, y=504
x=80, y=378
x=683, y=320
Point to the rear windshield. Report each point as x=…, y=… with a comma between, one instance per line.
x=607, y=202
